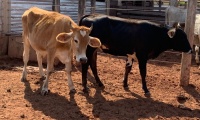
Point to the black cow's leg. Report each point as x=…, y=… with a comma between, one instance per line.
x=142, y=67
x=84, y=77
x=128, y=68
x=92, y=59
x=93, y=66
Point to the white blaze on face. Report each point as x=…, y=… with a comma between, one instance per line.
x=82, y=32
x=79, y=53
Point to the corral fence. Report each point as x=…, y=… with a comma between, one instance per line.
x=11, y=25
x=12, y=10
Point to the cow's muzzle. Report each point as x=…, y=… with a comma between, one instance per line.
x=83, y=60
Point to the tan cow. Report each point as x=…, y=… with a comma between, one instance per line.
x=53, y=35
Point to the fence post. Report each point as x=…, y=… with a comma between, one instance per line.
x=81, y=9
x=56, y=5
x=189, y=29
x=107, y=7
x=93, y=4
x=6, y=15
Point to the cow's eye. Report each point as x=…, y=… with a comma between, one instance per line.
x=76, y=41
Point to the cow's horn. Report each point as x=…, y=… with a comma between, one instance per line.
x=91, y=27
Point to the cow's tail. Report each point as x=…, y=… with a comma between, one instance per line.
x=80, y=22
x=166, y=16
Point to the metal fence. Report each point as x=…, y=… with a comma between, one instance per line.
x=16, y=8
x=10, y=15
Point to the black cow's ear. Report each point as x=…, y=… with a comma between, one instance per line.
x=171, y=32
x=181, y=26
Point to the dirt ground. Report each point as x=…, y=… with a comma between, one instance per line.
x=22, y=100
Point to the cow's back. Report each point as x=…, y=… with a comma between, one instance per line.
x=124, y=36
x=41, y=27
x=115, y=33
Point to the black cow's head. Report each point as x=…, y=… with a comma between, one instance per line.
x=179, y=40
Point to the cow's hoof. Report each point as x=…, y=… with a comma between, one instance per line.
x=44, y=92
x=101, y=85
x=147, y=94
x=126, y=87
x=73, y=91
x=86, y=90
x=23, y=79
x=42, y=78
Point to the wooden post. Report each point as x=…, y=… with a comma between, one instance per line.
x=93, y=5
x=160, y=4
x=189, y=29
x=81, y=9
x=108, y=7
x=56, y=5
x=5, y=26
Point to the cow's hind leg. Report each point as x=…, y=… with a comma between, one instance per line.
x=128, y=67
x=25, y=59
x=39, y=59
x=197, y=54
x=142, y=67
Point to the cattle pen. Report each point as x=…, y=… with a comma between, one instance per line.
x=22, y=100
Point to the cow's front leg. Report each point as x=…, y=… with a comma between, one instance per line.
x=93, y=65
x=50, y=61
x=68, y=66
x=45, y=90
x=128, y=67
x=84, y=77
x=142, y=67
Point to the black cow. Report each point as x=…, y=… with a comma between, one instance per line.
x=125, y=36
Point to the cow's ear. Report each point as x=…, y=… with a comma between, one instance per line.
x=171, y=32
x=94, y=42
x=64, y=37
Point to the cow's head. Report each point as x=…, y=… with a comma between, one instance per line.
x=179, y=40
x=81, y=38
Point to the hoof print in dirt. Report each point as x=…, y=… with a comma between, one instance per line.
x=37, y=82
x=8, y=90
